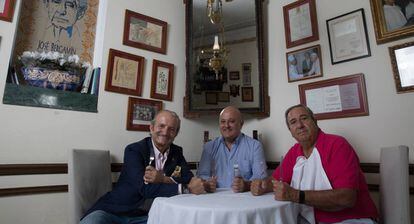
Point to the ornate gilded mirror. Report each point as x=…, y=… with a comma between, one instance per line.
x=225, y=62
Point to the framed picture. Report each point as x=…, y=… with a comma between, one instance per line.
x=162, y=80
x=304, y=63
x=141, y=112
x=211, y=97
x=335, y=98
x=124, y=74
x=7, y=9
x=247, y=93
x=301, y=25
x=223, y=97
x=247, y=74
x=145, y=32
x=234, y=75
x=402, y=57
x=393, y=20
x=348, y=38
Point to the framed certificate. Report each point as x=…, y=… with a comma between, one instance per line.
x=336, y=98
x=402, y=57
x=348, y=38
x=301, y=25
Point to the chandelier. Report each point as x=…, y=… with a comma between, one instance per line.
x=218, y=54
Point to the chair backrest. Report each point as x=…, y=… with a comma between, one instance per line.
x=394, y=185
x=89, y=173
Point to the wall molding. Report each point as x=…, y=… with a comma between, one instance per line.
x=62, y=168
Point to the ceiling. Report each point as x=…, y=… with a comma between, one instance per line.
x=236, y=14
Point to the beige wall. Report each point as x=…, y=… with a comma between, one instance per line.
x=38, y=135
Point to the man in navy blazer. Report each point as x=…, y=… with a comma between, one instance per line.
x=143, y=179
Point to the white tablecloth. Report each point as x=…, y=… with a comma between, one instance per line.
x=222, y=207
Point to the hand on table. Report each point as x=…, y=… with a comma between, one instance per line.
x=210, y=185
x=283, y=191
x=239, y=185
x=196, y=186
x=153, y=176
x=259, y=187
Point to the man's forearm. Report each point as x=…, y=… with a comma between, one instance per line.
x=328, y=200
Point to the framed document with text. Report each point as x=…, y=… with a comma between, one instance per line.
x=402, y=57
x=336, y=98
x=301, y=25
x=348, y=38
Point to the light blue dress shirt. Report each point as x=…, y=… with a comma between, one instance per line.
x=217, y=160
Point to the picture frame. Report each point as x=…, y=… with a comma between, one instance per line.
x=348, y=37
x=336, y=98
x=305, y=63
x=141, y=112
x=301, y=25
x=211, y=98
x=247, y=94
x=402, y=56
x=162, y=80
x=7, y=10
x=223, y=97
x=234, y=75
x=148, y=33
x=387, y=30
x=124, y=73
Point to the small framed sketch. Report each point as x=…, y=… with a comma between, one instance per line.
x=124, y=74
x=304, y=63
x=392, y=19
x=223, y=97
x=7, y=10
x=247, y=93
x=348, y=38
x=162, y=80
x=141, y=112
x=301, y=25
x=234, y=75
x=145, y=32
x=402, y=57
x=211, y=97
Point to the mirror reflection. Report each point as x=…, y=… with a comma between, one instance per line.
x=225, y=64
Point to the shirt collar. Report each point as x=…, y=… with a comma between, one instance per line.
x=157, y=151
x=236, y=141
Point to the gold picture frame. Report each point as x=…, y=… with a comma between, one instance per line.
x=386, y=32
x=402, y=66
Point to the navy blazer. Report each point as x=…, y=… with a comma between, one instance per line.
x=130, y=192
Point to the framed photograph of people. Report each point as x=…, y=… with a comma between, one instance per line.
x=141, y=112
x=348, y=38
x=124, y=74
x=7, y=9
x=402, y=57
x=145, y=32
x=393, y=19
x=301, y=25
x=247, y=94
x=304, y=63
x=162, y=80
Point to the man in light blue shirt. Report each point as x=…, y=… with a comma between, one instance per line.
x=219, y=157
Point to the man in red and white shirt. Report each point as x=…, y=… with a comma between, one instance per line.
x=322, y=173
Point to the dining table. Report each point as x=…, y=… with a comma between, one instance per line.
x=222, y=207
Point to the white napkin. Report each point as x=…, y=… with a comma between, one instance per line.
x=308, y=174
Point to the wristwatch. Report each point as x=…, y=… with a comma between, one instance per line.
x=301, y=197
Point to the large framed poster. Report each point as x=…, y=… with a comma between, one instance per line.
x=66, y=27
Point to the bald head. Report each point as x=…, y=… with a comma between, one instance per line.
x=231, y=122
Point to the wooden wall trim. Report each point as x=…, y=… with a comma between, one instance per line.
x=62, y=168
